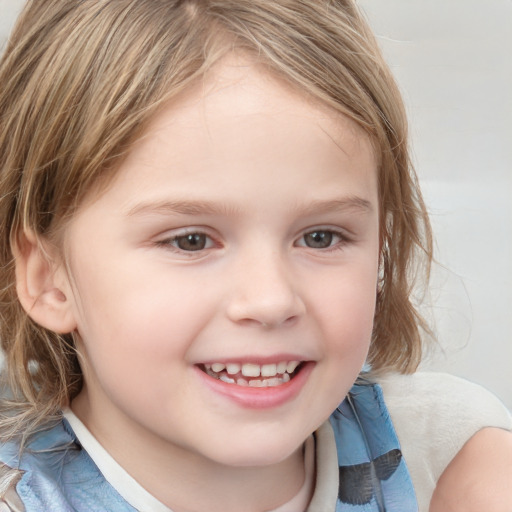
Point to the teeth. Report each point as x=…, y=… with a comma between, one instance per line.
x=273, y=374
x=291, y=366
x=268, y=370
x=232, y=368
x=254, y=383
x=251, y=370
x=281, y=367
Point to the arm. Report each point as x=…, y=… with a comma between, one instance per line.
x=479, y=478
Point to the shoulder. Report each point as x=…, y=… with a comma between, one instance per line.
x=36, y=476
x=442, y=405
x=479, y=476
x=24, y=469
x=434, y=415
x=445, y=397
x=54, y=472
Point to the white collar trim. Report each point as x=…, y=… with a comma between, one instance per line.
x=114, y=473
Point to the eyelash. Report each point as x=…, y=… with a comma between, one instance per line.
x=336, y=241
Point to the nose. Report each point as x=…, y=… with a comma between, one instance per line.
x=264, y=292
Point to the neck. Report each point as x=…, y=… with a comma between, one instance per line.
x=219, y=488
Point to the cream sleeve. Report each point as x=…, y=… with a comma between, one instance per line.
x=434, y=414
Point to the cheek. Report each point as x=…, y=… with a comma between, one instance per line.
x=347, y=313
x=348, y=308
x=140, y=324
x=127, y=300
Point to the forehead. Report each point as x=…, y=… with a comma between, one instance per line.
x=240, y=93
x=242, y=118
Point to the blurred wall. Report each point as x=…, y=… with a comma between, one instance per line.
x=452, y=61
x=8, y=12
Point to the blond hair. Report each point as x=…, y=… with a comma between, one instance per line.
x=79, y=82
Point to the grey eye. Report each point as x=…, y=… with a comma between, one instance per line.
x=319, y=239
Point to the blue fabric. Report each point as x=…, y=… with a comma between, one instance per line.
x=373, y=474
x=59, y=476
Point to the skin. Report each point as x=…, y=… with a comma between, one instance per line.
x=479, y=477
x=252, y=169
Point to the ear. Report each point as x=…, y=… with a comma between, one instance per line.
x=43, y=285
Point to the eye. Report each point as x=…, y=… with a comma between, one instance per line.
x=191, y=242
x=320, y=239
x=188, y=242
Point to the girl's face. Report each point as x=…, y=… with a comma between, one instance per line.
x=238, y=242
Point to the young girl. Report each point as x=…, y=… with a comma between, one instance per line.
x=209, y=226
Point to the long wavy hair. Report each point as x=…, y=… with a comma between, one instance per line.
x=79, y=82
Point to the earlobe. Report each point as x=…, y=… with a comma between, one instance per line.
x=42, y=285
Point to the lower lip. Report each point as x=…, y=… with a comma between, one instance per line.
x=259, y=398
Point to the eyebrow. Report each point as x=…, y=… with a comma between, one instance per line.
x=194, y=207
x=199, y=207
x=346, y=204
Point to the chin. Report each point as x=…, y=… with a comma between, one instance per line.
x=253, y=452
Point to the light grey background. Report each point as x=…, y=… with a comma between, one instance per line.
x=452, y=61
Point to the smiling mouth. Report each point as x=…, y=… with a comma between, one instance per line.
x=253, y=375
